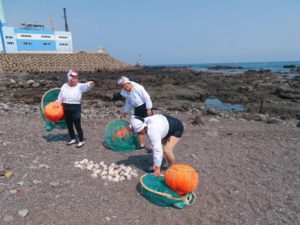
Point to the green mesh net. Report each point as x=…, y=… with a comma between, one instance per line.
x=119, y=137
x=51, y=96
x=155, y=189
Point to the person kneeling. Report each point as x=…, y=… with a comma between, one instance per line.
x=164, y=132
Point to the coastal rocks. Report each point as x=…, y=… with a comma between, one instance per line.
x=112, y=172
x=286, y=92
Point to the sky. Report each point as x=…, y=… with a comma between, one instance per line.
x=173, y=31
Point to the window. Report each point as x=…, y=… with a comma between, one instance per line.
x=63, y=37
x=45, y=36
x=27, y=43
x=25, y=35
x=10, y=43
x=9, y=37
x=46, y=43
x=63, y=44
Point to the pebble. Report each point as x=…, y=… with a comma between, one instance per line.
x=36, y=181
x=107, y=218
x=54, y=184
x=21, y=183
x=8, y=218
x=23, y=212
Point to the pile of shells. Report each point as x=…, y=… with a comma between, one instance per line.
x=113, y=172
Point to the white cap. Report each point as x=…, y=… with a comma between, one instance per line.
x=71, y=74
x=123, y=80
x=137, y=124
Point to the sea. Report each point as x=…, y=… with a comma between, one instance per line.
x=273, y=66
x=239, y=68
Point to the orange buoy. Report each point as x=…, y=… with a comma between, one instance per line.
x=54, y=111
x=182, y=178
x=122, y=133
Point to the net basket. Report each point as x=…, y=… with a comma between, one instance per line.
x=154, y=189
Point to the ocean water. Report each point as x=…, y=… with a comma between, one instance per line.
x=273, y=66
x=218, y=104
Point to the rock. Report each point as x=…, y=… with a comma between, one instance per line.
x=262, y=117
x=118, y=103
x=36, y=181
x=286, y=92
x=274, y=120
x=298, y=116
x=107, y=219
x=298, y=125
x=211, y=111
x=198, y=120
x=35, y=85
x=8, y=218
x=54, y=184
x=43, y=166
x=23, y=212
x=213, y=120
x=30, y=82
x=21, y=183
x=12, y=81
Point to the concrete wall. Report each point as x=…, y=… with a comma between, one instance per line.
x=51, y=63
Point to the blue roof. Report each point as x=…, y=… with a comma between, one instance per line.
x=26, y=31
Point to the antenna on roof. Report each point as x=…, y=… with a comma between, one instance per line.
x=66, y=22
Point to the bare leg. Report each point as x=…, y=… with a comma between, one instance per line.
x=141, y=139
x=168, y=150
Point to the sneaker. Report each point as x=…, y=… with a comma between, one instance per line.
x=80, y=144
x=73, y=141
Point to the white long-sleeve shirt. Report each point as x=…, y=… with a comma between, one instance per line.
x=157, y=129
x=72, y=94
x=136, y=97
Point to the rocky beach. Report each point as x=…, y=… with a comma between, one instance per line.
x=248, y=162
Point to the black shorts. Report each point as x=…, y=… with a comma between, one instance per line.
x=141, y=111
x=72, y=111
x=175, y=127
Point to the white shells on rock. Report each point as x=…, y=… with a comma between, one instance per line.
x=112, y=172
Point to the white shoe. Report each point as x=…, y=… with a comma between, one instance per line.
x=80, y=144
x=73, y=141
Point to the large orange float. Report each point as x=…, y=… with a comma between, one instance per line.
x=182, y=178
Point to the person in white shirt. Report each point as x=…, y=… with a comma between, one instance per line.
x=138, y=98
x=70, y=97
x=164, y=132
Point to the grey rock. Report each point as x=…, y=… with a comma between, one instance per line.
x=261, y=117
x=211, y=111
x=8, y=218
x=298, y=116
x=198, y=121
x=36, y=181
x=274, y=120
x=12, y=81
x=23, y=212
x=30, y=82
x=54, y=184
x=119, y=103
x=35, y=85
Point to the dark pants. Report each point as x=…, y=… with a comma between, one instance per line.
x=175, y=127
x=141, y=111
x=73, y=118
